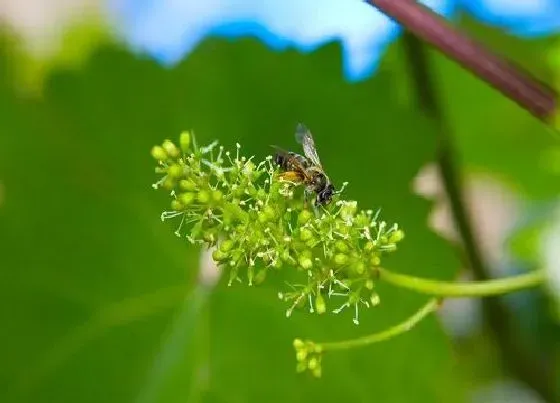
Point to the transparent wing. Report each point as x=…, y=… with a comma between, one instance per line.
x=304, y=137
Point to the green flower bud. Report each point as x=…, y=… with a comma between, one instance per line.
x=313, y=363
x=187, y=184
x=370, y=245
x=305, y=262
x=396, y=236
x=218, y=255
x=348, y=210
x=320, y=304
x=298, y=344
x=262, y=217
x=374, y=299
x=168, y=183
x=203, y=196
x=209, y=236
x=186, y=198
x=375, y=260
x=341, y=246
x=176, y=205
x=362, y=220
x=359, y=267
x=159, y=153
x=304, y=216
x=340, y=259
x=301, y=366
x=185, y=141
x=248, y=168
x=369, y=284
x=226, y=245
x=305, y=234
x=270, y=212
x=301, y=354
x=217, y=195
x=175, y=171
x=170, y=148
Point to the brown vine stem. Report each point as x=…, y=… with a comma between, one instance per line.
x=514, y=356
x=510, y=80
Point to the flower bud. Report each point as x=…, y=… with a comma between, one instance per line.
x=185, y=141
x=312, y=363
x=218, y=255
x=340, y=259
x=159, y=153
x=359, y=267
x=320, y=304
x=168, y=183
x=305, y=262
x=304, y=216
x=370, y=245
x=186, y=198
x=298, y=344
x=176, y=205
x=305, y=234
x=375, y=260
x=170, y=148
x=187, y=184
x=175, y=171
x=374, y=299
x=226, y=245
x=203, y=196
x=301, y=355
x=341, y=246
x=396, y=236
x=217, y=195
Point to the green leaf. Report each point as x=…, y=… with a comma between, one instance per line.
x=98, y=283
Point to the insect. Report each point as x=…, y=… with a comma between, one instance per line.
x=307, y=170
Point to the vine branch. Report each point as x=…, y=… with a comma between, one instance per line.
x=512, y=81
x=472, y=289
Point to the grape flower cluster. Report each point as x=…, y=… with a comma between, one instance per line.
x=257, y=223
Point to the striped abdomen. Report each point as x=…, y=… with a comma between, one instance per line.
x=290, y=161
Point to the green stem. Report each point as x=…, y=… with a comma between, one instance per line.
x=483, y=288
x=384, y=335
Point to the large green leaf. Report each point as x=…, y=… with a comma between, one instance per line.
x=99, y=293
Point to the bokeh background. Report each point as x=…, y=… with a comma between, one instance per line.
x=101, y=302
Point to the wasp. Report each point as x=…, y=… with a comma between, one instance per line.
x=306, y=169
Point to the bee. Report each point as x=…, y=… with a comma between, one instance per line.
x=305, y=169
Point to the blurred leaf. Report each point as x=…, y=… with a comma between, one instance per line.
x=95, y=283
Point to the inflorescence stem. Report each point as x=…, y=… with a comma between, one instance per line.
x=431, y=306
x=471, y=289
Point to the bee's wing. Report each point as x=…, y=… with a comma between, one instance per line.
x=304, y=137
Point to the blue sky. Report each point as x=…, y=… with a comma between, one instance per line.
x=170, y=29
